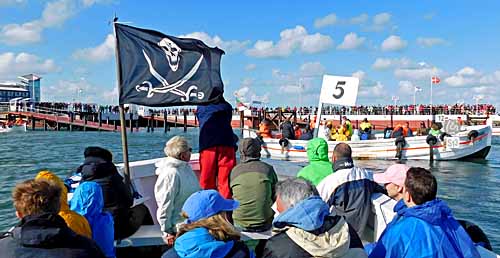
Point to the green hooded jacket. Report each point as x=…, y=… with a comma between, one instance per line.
x=319, y=165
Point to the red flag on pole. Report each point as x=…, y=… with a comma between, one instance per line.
x=435, y=80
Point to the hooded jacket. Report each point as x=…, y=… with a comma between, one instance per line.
x=252, y=183
x=426, y=230
x=198, y=243
x=117, y=196
x=75, y=221
x=319, y=165
x=308, y=230
x=215, y=125
x=88, y=202
x=348, y=192
x=46, y=236
x=175, y=183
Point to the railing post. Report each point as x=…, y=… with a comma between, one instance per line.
x=185, y=121
x=131, y=118
x=152, y=123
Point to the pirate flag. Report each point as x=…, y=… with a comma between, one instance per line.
x=160, y=70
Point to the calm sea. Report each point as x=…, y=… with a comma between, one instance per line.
x=470, y=188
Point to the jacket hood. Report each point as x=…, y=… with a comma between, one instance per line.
x=47, y=175
x=199, y=243
x=249, y=149
x=332, y=243
x=170, y=162
x=88, y=200
x=43, y=230
x=317, y=149
x=308, y=215
x=95, y=168
x=434, y=212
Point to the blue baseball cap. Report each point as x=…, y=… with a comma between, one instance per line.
x=206, y=203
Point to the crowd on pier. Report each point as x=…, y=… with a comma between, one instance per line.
x=322, y=212
x=420, y=109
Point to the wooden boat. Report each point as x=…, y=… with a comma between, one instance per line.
x=474, y=142
x=143, y=177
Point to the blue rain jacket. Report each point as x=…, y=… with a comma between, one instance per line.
x=88, y=201
x=426, y=230
x=215, y=125
x=308, y=215
x=199, y=243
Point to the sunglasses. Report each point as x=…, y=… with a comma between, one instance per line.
x=190, y=149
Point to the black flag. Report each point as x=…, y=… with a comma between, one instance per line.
x=160, y=70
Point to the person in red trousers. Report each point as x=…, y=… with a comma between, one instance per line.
x=217, y=144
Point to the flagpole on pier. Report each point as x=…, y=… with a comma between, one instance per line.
x=123, y=127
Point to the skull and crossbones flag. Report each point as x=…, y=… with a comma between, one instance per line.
x=160, y=70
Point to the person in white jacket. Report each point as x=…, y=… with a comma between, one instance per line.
x=176, y=182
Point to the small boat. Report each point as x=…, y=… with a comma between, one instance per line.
x=148, y=237
x=13, y=128
x=474, y=142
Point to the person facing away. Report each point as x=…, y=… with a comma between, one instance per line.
x=287, y=130
x=217, y=146
x=42, y=233
x=319, y=164
x=175, y=183
x=98, y=167
x=365, y=126
x=348, y=189
x=424, y=226
x=75, y=221
x=207, y=233
x=252, y=184
x=88, y=201
x=307, y=135
x=305, y=227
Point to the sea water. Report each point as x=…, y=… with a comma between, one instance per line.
x=470, y=188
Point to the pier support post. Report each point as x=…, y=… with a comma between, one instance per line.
x=185, y=121
x=148, y=121
x=165, y=124
x=152, y=123
x=100, y=120
x=175, y=121
x=392, y=121
x=33, y=123
x=45, y=124
x=116, y=127
x=242, y=122
x=84, y=123
x=131, y=123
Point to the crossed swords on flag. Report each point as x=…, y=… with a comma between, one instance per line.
x=172, y=88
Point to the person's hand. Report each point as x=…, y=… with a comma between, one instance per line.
x=168, y=239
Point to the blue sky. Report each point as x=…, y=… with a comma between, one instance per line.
x=276, y=51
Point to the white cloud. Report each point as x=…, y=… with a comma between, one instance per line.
x=406, y=88
x=100, y=53
x=359, y=74
x=351, y=41
x=328, y=20
x=13, y=65
x=463, y=77
x=362, y=18
x=493, y=78
x=247, y=95
x=295, y=39
x=82, y=91
x=312, y=69
x=216, y=41
x=430, y=42
x=250, y=67
x=380, y=22
x=386, y=63
x=393, y=43
x=368, y=89
x=417, y=73
x=54, y=14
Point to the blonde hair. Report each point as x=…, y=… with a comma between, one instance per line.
x=33, y=197
x=217, y=225
x=176, y=146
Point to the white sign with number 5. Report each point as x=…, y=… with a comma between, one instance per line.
x=339, y=90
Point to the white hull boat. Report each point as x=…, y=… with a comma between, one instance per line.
x=459, y=146
x=143, y=177
x=14, y=128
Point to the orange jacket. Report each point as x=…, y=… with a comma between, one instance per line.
x=265, y=131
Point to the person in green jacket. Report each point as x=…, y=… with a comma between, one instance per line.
x=319, y=165
x=435, y=130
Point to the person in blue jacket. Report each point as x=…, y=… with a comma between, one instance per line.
x=217, y=144
x=88, y=201
x=207, y=233
x=425, y=226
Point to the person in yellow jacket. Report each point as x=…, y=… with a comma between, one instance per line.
x=365, y=126
x=343, y=134
x=75, y=221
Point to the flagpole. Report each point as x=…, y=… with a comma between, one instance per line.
x=123, y=127
x=431, y=96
